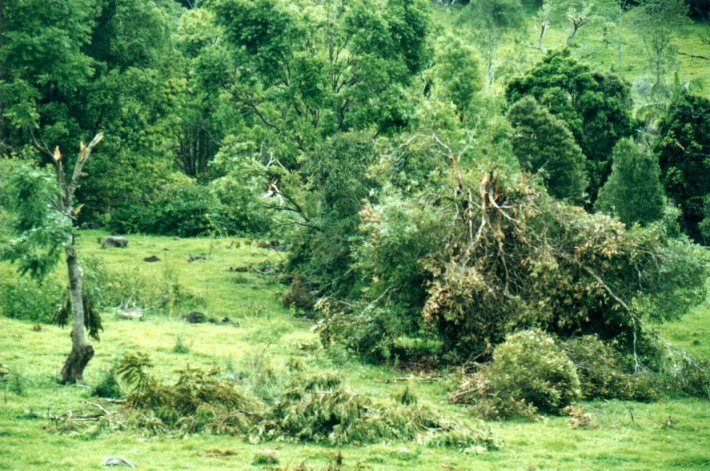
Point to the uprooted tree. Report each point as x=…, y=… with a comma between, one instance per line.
x=42, y=214
x=492, y=254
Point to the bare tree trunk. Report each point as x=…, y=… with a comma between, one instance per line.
x=543, y=29
x=618, y=45
x=81, y=351
x=570, y=38
x=489, y=75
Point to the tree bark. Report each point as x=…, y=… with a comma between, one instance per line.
x=570, y=38
x=81, y=352
x=618, y=45
x=543, y=29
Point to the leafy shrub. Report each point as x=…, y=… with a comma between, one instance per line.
x=108, y=386
x=528, y=373
x=180, y=347
x=495, y=254
x=369, y=332
x=685, y=375
x=183, y=209
x=412, y=349
x=118, y=287
x=318, y=408
x=266, y=458
x=24, y=298
x=17, y=383
x=197, y=401
x=337, y=171
x=407, y=397
x=605, y=374
x=299, y=294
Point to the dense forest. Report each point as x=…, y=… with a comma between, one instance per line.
x=516, y=190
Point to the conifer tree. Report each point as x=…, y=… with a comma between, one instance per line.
x=633, y=191
x=543, y=144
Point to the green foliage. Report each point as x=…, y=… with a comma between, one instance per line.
x=633, y=191
x=456, y=73
x=25, y=298
x=413, y=349
x=266, y=458
x=108, y=386
x=111, y=288
x=704, y=225
x=92, y=319
x=319, y=408
x=37, y=231
x=596, y=107
x=528, y=373
x=299, y=295
x=180, y=347
x=605, y=374
x=70, y=69
x=408, y=25
x=491, y=21
x=544, y=145
x=407, y=397
x=183, y=209
x=684, y=156
x=17, y=384
x=337, y=174
x=42, y=52
x=687, y=376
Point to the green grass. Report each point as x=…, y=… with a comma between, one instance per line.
x=597, y=47
x=629, y=435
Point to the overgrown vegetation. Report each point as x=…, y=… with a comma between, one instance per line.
x=510, y=189
x=310, y=408
x=528, y=373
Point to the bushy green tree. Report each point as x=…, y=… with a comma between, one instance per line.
x=633, y=191
x=42, y=210
x=456, y=74
x=543, y=144
x=337, y=181
x=683, y=148
x=68, y=69
x=528, y=373
x=596, y=107
x=303, y=74
x=43, y=66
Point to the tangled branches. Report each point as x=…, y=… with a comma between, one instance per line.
x=516, y=258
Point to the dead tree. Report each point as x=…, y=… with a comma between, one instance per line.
x=82, y=351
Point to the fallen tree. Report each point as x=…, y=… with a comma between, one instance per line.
x=492, y=254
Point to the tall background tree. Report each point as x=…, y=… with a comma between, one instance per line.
x=595, y=106
x=683, y=149
x=543, y=144
x=633, y=191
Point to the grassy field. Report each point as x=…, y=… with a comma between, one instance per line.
x=596, y=45
x=262, y=334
